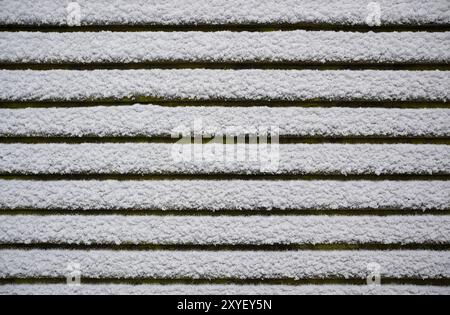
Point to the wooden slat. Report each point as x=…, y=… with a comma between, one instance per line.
x=195, y=12
x=247, y=265
x=261, y=289
x=62, y=85
x=224, y=195
x=148, y=159
x=212, y=48
x=159, y=121
x=197, y=230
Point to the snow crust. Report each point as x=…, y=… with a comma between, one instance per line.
x=150, y=120
x=200, y=84
x=209, y=47
x=252, y=230
x=194, y=12
x=73, y=14
x=222, y=290
x=157, y=158
x=224, y=195
x=418, y=264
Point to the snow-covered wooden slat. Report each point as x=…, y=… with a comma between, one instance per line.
x=224, y=195
x=194, y=12
x=223, y=47
x=202, y=289
x=224, y=265
x=157, y=121
x=200, y=84
x=159, y=158
x=253, y=230
x=261, y=289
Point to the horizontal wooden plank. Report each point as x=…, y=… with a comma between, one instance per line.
x=159, y=158
x=294, y=85
x=63, y=289
x=248, y=265
x=194, y=12
x=196, y=230
x=225, y=47
x=224, y=195
x=157, y=121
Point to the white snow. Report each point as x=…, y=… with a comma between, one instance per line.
x=73, y=14
x=374, y=14
x=104, y=213
x=149, y=120
x=62, y=289
x=194, y=12
x=227, y=230
x=157, y=158
x=208, y=47
x=200, y=84
x=224, y=195
x=416, y=264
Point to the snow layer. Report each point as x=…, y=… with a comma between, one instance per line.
x=73, y=14
x=62, y=289
x=195, y=12
x=157, y=158
x=374, y=16
x=149, y=120
x=224, y=195
x=200, y=84
x=224, y=265
x=295, y=46
x=254, y=230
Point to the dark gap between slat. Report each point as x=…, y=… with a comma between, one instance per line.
x=225, y=213
x=223, y=103
x=227, y=247
x=253, y=27
x=221, y=177
x=167, y=140
x=227, y=66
